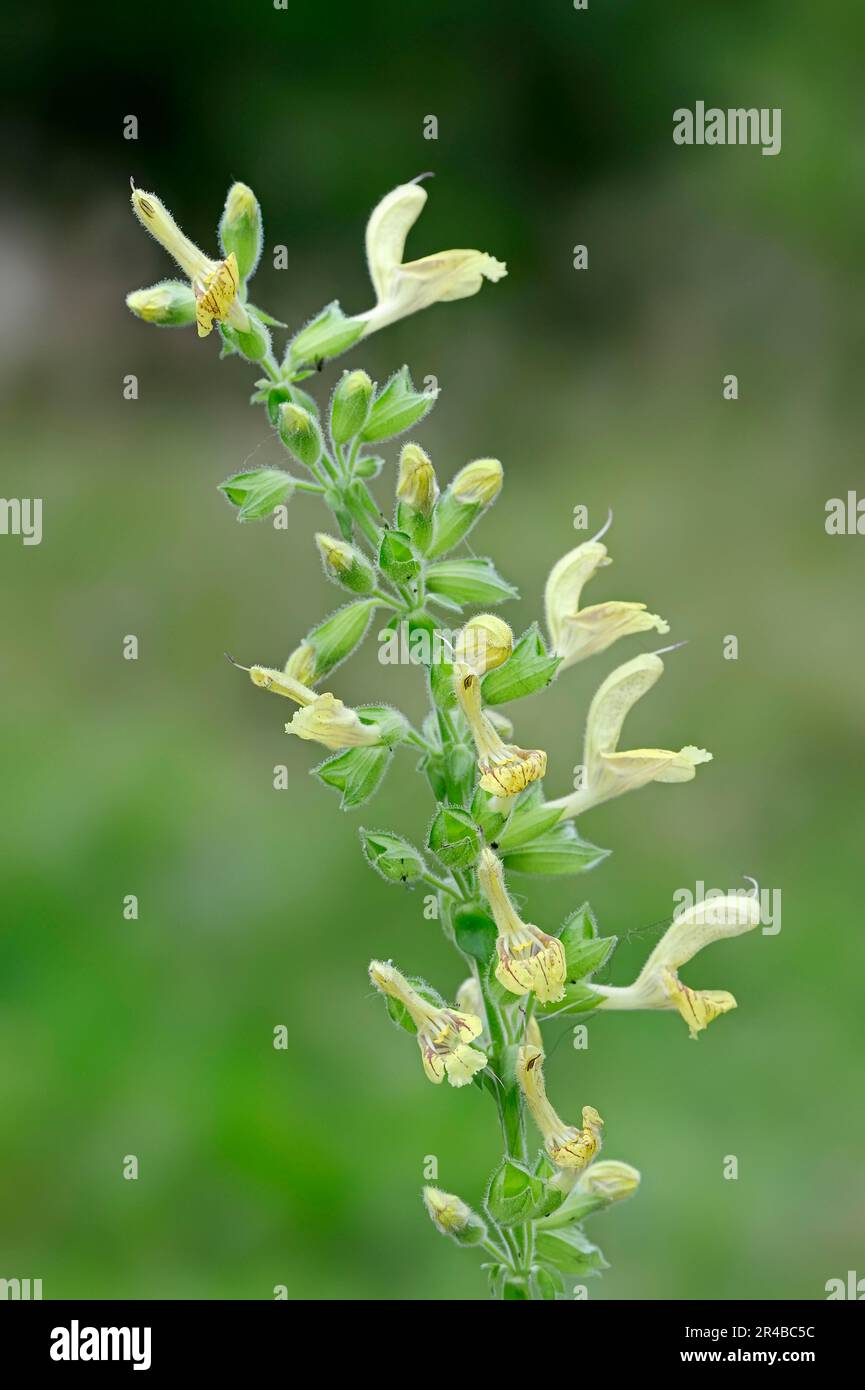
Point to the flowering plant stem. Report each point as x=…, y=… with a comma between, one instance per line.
x=490, y=815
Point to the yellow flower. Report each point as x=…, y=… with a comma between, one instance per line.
x=484, y=643
x=469, y=997
x=214, y=283
x=580, y=632
x=607, y=772
x=568, y=1147
x=658, y=985
x=443, y=1034
x=322, y=718
x=405, y=287
x=328, y=721
x=529, y=961
x=505, y=769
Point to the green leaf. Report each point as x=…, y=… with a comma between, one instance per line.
x=527, y=822
x=578, y=998
x=469, y=581
x=558, y=851
x=526, y=670
x=393, y=725
x=390, y=855
x=258, y=492
x=441, y=684
x=513, y=1194
x=575, y=1207
x=452, y=520
x=268, y=318
x=369, y=466
x=546, y=1283
x=453, y=837
x=474, y=932
x=489, y=820
x=356, y=773
x=327, y=335
x=396, y=558
x=570, y=1251
x=338, y=636
x=396, y=408
x=584, y=957
x=580, y=925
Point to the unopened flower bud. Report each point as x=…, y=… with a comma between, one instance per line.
x=610, y=1179
x=345, y=564
x=240, y=228
x=416, y=486
x=484, y=643
x=336, y=638
x=452, y=1217
x=479, y=483
x=300, y=433
x=170, y=304
x=254, y=342
x=474, y=488
x=301, y=664
x=350, y=407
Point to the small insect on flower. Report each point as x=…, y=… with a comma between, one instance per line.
x=443, y=1034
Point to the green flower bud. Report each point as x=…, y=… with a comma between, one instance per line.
x=350, y=406
x=397, y=408
x=336, y=638
x=300, y=433
x=240, y=228
x=416, y=485
x=301, y=664
x=254, y=343
x=484, y=643
x=416, y=492
x=345, y=564
x=394, y=858
x=473, y=489
x=452, y=1217
x=454, y=837
x=479, y=482
x=170, y=304
x=259, y=492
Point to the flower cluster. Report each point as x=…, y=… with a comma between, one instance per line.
x=490, y=817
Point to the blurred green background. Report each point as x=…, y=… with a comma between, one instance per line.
x=260, y=1167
